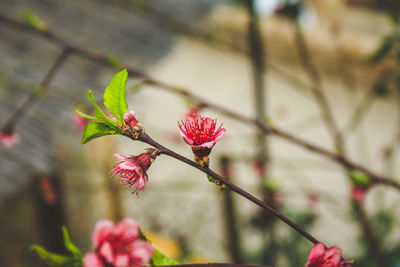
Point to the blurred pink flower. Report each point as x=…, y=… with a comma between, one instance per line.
x=319, y=256
x=9, y=138
x=312, y=200
x=80, y=122
x=118, y=245
x=200, y=133
x=47, y=188
x=132, y=170
x=358, y=194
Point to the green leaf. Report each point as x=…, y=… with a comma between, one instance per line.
x=115, y=95
x=99, y=113
x=212, y=179
x=71, y=246
x=33, y=20
x=86, y=116
x=359, y=179
x=159, y=259
x=96, y=129
x=54, y=259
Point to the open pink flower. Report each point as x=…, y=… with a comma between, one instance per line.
x=118, y=245
x=132, y=170
x=319, y=256
x=9, y=138
x=201, y=133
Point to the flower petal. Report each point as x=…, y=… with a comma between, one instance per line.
x=126, y=230
x=316, y=252
x=333, y=254
x=102, y=229
x=106, y=251
x=142, y=251
x=92, y=260
x=121, y=260
x=120, y=156
x=128, y=165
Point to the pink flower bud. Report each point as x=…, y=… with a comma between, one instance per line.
x=131, y=119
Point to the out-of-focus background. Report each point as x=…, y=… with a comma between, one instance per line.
x=49, y=179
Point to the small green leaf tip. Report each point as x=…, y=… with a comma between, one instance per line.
x=115, y=95
x=359, y=179
x=33, y=20
x=86, y=116
x=159, y=259
x=54, y=259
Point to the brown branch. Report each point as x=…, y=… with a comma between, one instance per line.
x=358, y=114
x=257, y=57
x=39, y=90
x=143, y=137
x=101, y=58
x=316, y=88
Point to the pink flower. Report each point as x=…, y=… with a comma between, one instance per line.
x=312, y=200
x=319, y=256
x=201, y=133
x=132, y=170
x=358, y=194
x=48, y=191
x=9, y=138
x=131, y=119
x=80, y=122
x=118, y=245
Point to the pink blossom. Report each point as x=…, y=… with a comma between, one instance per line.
x=201, y=134
x=79, y=121
x=9, y=138
x=358, y=194
x=118, y=245
x=320, y=256
x=132, y=170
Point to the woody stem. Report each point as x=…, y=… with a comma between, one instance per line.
x=163, y=150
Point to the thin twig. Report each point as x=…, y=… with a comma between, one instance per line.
x=358, y=114
x=101, y=58
x=316, y=88
x=257, y=57
x=39, y=90
x=163, y=150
